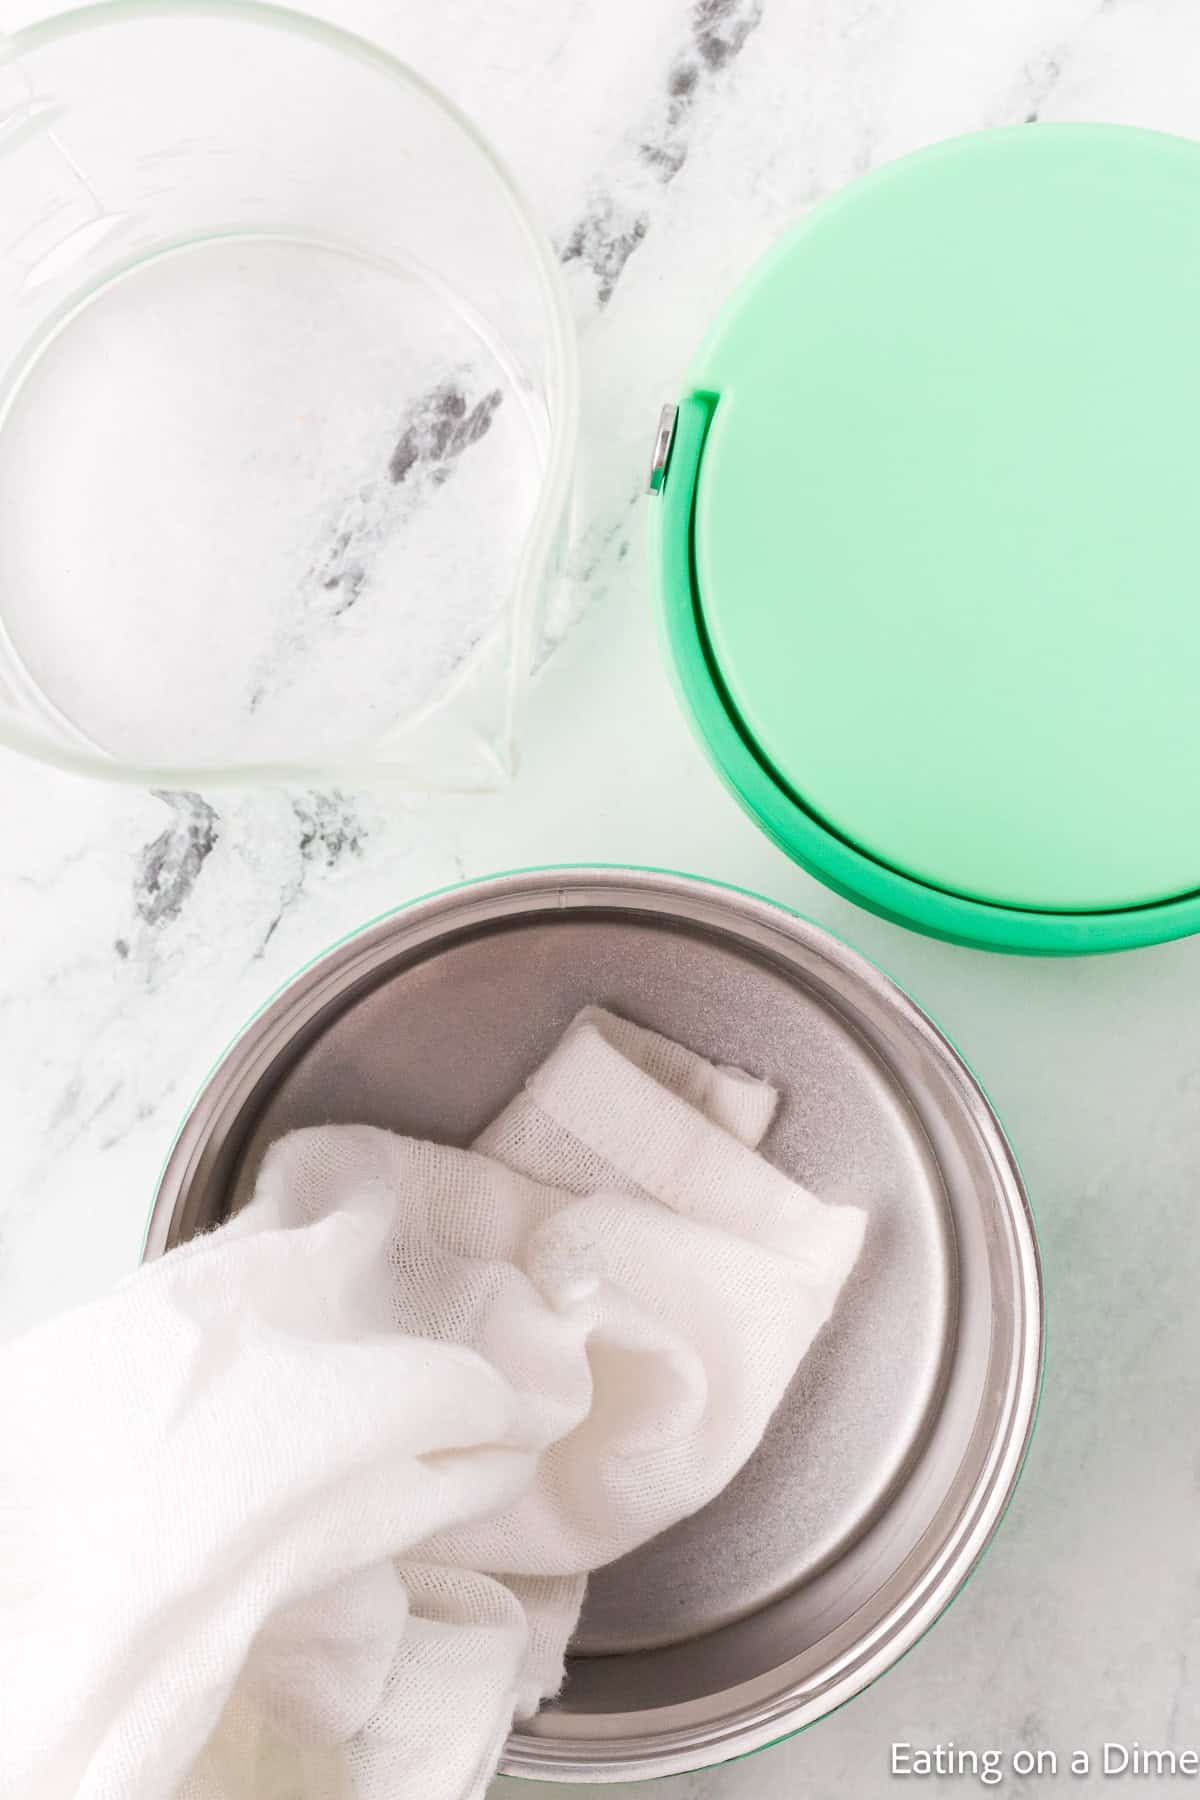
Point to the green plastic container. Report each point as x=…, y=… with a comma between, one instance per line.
x=927, y=540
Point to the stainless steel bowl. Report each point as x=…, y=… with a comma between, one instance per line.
x=891, y=1460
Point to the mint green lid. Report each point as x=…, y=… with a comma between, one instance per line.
x=942, y=580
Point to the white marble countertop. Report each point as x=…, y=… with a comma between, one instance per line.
x=140, y=931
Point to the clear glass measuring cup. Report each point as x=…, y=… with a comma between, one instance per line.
x=288, y=406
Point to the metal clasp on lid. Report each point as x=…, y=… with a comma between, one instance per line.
x=661, y=454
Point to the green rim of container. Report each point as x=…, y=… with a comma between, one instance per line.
x=781, y=813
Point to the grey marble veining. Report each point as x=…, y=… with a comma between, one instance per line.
x=666, y=144
x=618, y=215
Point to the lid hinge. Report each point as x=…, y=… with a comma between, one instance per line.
x=664, y=436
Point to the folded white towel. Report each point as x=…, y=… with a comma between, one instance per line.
x=307, y=1507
